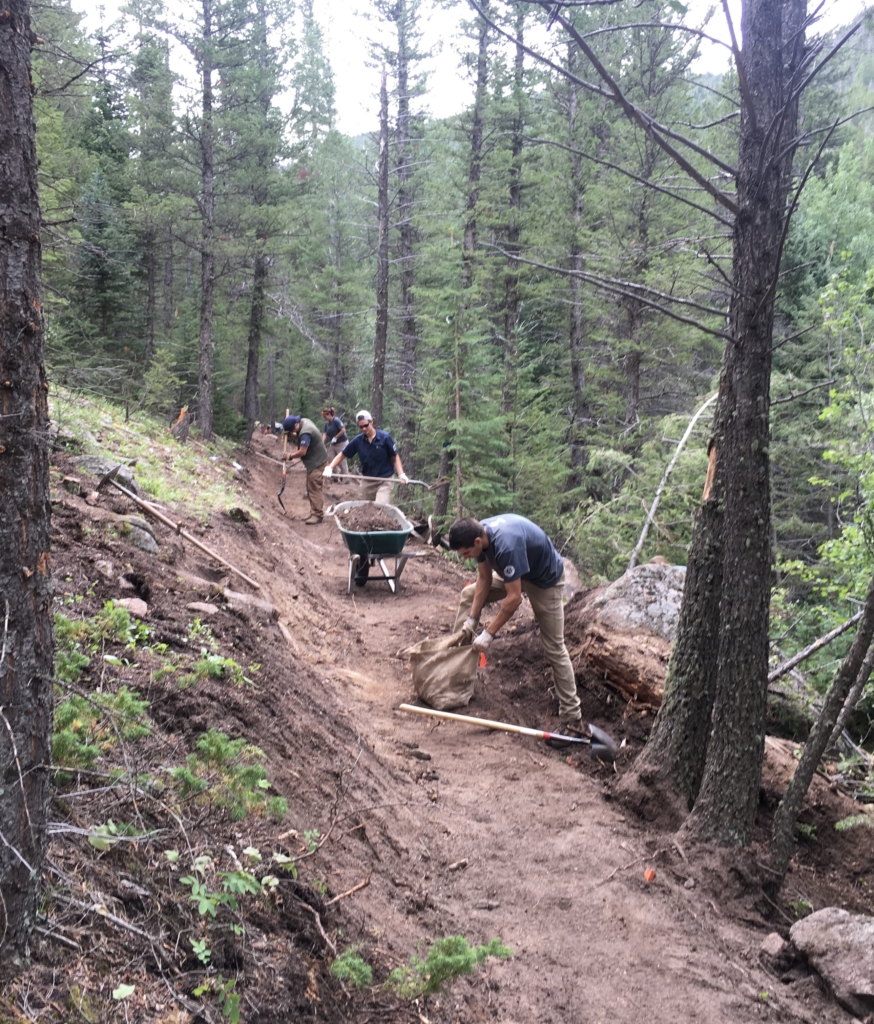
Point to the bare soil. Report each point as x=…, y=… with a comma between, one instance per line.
x=367, y=519
x=425, y=829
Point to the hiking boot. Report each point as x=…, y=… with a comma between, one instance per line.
x=573, y=728
x=312, y=521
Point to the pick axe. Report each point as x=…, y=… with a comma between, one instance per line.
x=284, y=467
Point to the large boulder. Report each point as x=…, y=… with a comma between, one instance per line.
x=840, y=946
x=624, y=630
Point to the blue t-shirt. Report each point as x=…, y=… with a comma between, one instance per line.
x=377, y=456
x=333, y=428
x=519, y=549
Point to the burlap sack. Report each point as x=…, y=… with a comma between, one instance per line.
x=444, y=670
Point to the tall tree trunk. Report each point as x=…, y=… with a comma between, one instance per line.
x=25, y=586
x=675, y=754
x=261, y=263
x=407, y=238
x=169, y=306
x=474, y=174
x=380, y=341
x=151, y=292
x=725, y=809
x=207, y=237
x=577, y=326
x=256, y=319
x=514, y=225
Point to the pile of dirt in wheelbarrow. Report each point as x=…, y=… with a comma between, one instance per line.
x=367, y=519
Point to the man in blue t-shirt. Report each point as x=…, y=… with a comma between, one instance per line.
x=515, y=556
x=379, y=458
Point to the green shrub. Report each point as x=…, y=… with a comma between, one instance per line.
x=225, y=774
x=447, y=960
x=86, y=727
x=349, y=966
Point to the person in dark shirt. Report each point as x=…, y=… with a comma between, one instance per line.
x=515, y=556
x=313, y=454
x=334, y=435
x=379, y=458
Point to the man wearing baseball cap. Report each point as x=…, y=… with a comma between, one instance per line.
x=312, y=452
x=379, y=458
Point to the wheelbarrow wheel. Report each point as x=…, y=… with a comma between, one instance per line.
x=362, y=572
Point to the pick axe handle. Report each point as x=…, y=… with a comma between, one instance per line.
x=487, y=723
x=146, y=507
x=375, y=479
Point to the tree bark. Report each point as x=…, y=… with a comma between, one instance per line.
x=577, y=332
x=406, y=249
x=725, y=809
x=25, y=586
x=207, y=234
x=256, y=319
x=380, y=341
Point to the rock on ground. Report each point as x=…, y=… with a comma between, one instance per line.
x=624, y=630
x=840, y=945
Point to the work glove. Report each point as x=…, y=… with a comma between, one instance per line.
x=327, y=471
x=470, y=625
x=404, y=479
x=483, y=640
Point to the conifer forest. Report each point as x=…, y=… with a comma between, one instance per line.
x=536, y=296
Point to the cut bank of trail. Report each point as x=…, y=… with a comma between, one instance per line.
x=501, y=836
x=424, y=829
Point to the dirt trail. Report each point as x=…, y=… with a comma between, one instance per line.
x=497, y=835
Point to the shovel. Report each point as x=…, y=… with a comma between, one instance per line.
x=284, y=468
x=601, y=743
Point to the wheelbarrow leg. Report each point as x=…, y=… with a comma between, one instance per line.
x=389, y=579
x=353, y=567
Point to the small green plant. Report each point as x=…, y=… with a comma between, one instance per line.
x=228, y=999
x=805, y=832
x=201, y=950
x=349, y=966
x=311, y=837
x=225, y=774
x=214, y=666
x=448, y=960
x=104, y=837
x=854, y=821
x=801, y=907
x=86, y=727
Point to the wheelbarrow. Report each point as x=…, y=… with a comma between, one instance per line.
x=373, y=549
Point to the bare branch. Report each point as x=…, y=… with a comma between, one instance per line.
x=629, y=289
x=801, y=394
x=630, y=174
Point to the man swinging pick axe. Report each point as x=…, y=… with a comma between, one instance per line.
x=313, y=454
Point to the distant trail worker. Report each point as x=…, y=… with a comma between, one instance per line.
x=334, y=435
x=514, y=556
x=379, y=458
x=312, y=451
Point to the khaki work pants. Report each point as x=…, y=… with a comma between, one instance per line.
x=316, y=490
x=343, y=465
x=373, y=491
x=549, y=614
